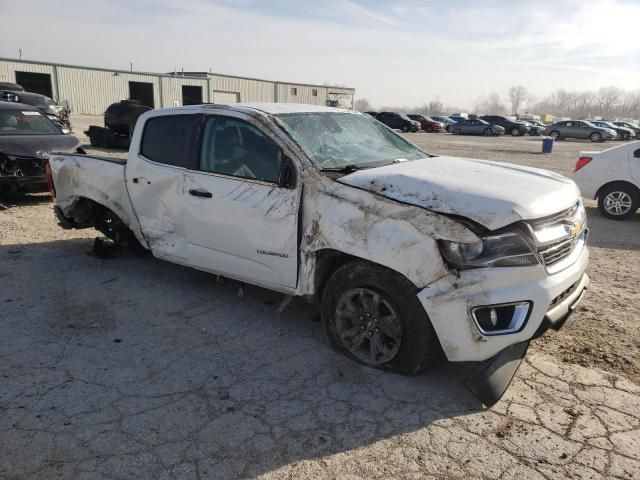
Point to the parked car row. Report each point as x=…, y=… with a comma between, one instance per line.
x=12, y=92
x=494, y=125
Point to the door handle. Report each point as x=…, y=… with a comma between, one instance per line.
x=200, y=192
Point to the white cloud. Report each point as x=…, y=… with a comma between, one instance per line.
x=403, y=53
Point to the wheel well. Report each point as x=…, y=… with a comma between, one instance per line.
x=620, y=183
x=329, y=260
x=88, y=213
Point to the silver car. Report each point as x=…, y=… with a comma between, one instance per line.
x=476, y=126
x=580, y=129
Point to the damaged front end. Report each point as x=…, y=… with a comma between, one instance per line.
x=22, y=173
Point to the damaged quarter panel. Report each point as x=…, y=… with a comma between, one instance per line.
x=101, y=180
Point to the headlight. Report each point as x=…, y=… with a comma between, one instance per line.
x=503, y=250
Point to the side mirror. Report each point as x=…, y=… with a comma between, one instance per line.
x=287, y=173
x=66, y=131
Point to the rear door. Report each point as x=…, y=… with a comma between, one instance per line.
x=155, y=181
x=239, y=221
x=634, y=165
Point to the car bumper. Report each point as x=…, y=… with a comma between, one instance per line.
x=448, y=303
x=14, y=183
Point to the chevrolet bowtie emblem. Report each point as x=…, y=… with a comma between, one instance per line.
x=576, y=228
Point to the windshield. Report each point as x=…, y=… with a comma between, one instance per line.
x=18, y=122
x=339, y=139
x=37, y=101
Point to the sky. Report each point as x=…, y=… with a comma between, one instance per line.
x=401, y=53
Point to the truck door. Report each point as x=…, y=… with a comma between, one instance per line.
x=155, y=177
x=239, y=221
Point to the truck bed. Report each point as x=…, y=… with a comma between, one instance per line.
x=78, y=177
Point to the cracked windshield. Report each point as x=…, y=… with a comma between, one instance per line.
x=336, y=140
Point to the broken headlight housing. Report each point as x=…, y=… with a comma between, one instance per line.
x=508, y=249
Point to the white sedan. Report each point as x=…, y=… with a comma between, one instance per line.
x=613, y=177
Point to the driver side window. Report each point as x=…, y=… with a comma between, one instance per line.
x=236, y=148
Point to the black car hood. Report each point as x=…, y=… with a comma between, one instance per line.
x=29, y=145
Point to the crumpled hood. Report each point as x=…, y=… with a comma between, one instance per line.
x=492, y=194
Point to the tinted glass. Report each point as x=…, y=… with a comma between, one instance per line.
x=236, y=148
x=636, y=154
x=169, y=139
x=337, y=139
x=27, y=122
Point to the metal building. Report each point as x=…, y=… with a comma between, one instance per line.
x=91, y=90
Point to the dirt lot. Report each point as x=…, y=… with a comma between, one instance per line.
x=136, y=368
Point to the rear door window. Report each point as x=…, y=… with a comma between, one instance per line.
x=170, y=140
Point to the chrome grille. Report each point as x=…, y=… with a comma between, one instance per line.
x=558, y=235
x=558, y=251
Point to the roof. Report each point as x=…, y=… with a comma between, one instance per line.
x=269, y=108
x=16, y=106
x=282, y=108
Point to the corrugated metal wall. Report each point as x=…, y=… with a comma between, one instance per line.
x=302, y=94
x=172, y=89
x=249, y=90
x=92, y=90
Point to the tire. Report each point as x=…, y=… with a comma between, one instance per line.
x=515, y=132
x=405, y=128
x=627, y=136
x=618, y=201
x=429, y=129
x=350, y=316
x=596, y=137
x=555, y=135
x=457, y=131
x=488, y=132
x=110, y=225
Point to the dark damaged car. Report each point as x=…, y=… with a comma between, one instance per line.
x=54, y=112
x=27, y=138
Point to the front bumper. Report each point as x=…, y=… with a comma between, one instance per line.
x=449, y=301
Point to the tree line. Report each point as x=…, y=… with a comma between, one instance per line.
x=606, y=102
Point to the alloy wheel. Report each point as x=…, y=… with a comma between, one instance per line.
x=368, y=325
x=617, y=203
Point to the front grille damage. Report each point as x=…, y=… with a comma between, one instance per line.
x=22, y=166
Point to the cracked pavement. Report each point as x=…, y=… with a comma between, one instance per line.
x=136, y=368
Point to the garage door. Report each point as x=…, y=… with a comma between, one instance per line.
x=226, y=97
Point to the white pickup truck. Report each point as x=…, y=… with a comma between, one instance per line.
x=408, y=254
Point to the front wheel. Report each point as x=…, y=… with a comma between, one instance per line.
x=457, y=131
x=488, y=132
x=373, y=315
x=555, y=135
x=595, y=137
x=515, y=132
x=405, y=128
x=618, y=202
x=429, y=129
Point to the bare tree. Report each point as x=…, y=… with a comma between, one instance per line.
x=608, y=98
x=490, y=105
x=362, y=105
x=517, y=96
x=435, y=107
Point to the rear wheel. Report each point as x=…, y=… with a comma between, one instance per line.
x=596, y=137
x=373, y=315
x=618, y=202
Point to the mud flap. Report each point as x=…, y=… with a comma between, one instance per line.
x=490, y=379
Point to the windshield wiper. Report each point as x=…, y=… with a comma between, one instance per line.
x=344, y=169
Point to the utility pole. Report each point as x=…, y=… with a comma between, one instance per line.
x=131, y=65
x=20, y=53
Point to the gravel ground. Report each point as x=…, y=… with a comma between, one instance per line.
x=137, y=368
